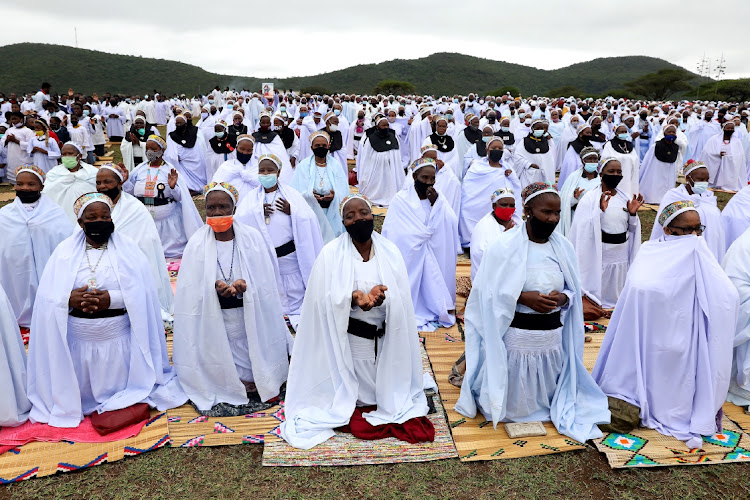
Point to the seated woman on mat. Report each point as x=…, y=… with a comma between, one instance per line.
x=524, y=329
x=356, y=359
x=14, y=405
x=98, y=342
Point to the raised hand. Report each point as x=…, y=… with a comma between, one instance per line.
x=172, y=179
x=604, y=201
x=432, y=195
x=577, y=193
x=635, y=204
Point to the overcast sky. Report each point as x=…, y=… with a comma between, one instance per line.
x=300, y=37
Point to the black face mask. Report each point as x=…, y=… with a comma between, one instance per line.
x=611, y=180
x=541, y=229
x=401, y=113
x=491, y=119
x=643, y=117
x=595, y=127
x=361, y=231
x=728, y=134
x=112, y=193
x=181, y=128
x=421, y=188
x=243, y=158
x=320, y=152
x=28, y=196
x=383, y=132
x=99, y=231
x=495, y=155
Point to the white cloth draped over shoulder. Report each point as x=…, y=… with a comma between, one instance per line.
x=705, y=204
x=53, y=387
x=132, y=219
x=729, y=171
x=546, y=162
x=736, y=215
x=485, y=232
x=736, y=266
x=380, y=175
x=429, y=245
x=568, y=200
x=656, y=177
x=29, y=238
x=480, y=182
x=307, y=179
x=14, y=405
x=190, y=162
x=322, y=389
x=243, y=177
x=578, y=405
x=276, y=147
x=446, y=184
x=64, y=187
x=202, y=354
x=631, y=167
x=674, y=366
x=586, y=236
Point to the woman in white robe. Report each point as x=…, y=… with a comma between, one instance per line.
x=133, y=220
x=735, y=264
x=483, y=177
x=572, y=157
x=524, y=324
x=14, y=405
x=16, y=141
x=268, y=142
x=606, y=235
x=735, y=218
x=359, y=284
x=534, y=157
x=290, y=229
x=621, y=147
x=44, y=151
x=379, y=171
x=165, y=194
x=466, y=138
x=33, y=226
x=668, y=346
x=65, y=183
x=446, y=146
x=576, y=185
x=568, y=135
x=133, y=145
x=503, y=217
x=320, y=180
x=725, y=158
x=424, y=227
x=98, y=342
x=446, y=182
x=338, y=137
x=242, y=170
x=219, y=150
x=696, y=190
x=420, y=129
x=658, y=172
x=186, y=152
x=233, y=339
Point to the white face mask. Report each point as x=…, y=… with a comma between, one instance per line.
x=700, y=187
x=18, y=125
x=527, y=122
x=333, y=128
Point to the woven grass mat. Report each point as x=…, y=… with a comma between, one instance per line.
x=738, y=416
x=345, y=449
x=475, y=438
x=648, y=448
x=45, y=459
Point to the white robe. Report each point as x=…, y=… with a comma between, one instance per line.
x=29, y=238
x=322, y=389
x=446, y=184
x=730, y=171
x=190, y=163
x=276, y=147
x=486, y=230
x=523, y=160
x=45, y=161
x=14, y=405
x=54, y=389
x=379, y=174
x=603, y=266
x=480, y=182
x=449, y=158
x=64, y=187
x=132, y=219
x=710, y=215
x=243, y=177
x=568, y=201
x=735, y=218
x=668, y=346
x=656, y=177
x=202, y=355
x=16, y=153
x=429, y=244
x=631, y=167
x=736, y=266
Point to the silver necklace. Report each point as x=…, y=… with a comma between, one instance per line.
x=92, y=280
x=229, y=280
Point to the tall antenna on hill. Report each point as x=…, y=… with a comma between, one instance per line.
x=75, y=30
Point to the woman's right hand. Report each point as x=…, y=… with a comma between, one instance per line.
x=362, y=300
x=76, y=297
x=539, y=302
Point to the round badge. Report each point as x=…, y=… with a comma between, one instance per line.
x=388, y=142
x=537, y=150
x=183, y=141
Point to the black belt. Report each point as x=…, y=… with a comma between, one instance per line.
x=107, y=313
x=366, y=331
x=324, y=204
x=230, y=302
x=527, y=321
x=614, y=238
x=285, y=249
x=156, y=202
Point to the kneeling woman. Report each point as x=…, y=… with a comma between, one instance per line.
x=290, y=229
x=357, y=344
x=99, y=338
x=233, y=339
x=524, y=329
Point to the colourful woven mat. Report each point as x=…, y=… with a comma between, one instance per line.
x=45, y=459
x=345, y=449
x=738, y=416
x=648, y=448
x=475, y=438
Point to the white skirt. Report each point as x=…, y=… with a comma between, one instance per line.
x=365, y=368
x=100, y=351
x=293, y=285
x=168, y=220
x=234, y=322
x=614, y=272
x=535, y=360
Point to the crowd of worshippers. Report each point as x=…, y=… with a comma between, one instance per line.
x=542, y=194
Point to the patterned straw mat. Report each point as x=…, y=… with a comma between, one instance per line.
x=475, y=438
x=45, y=459
x=345, y=449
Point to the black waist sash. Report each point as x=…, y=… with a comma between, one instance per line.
x=528, y=321
x=230, y=302
x=156, y=202
x=365, y=330
x=107, y=313
x=285, y=249
x=615, y=239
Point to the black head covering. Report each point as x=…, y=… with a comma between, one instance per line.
x=264, y=137
x=337, y=142
x=579, y=144
x=187, y=138
x=473, y=136
x=536, y=146
x=666, y=151
x=621, y=146
x=508, y=138
x=382, y=139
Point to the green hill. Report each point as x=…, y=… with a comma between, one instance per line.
x=26, y=65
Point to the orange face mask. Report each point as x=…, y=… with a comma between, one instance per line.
x=220, y=224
